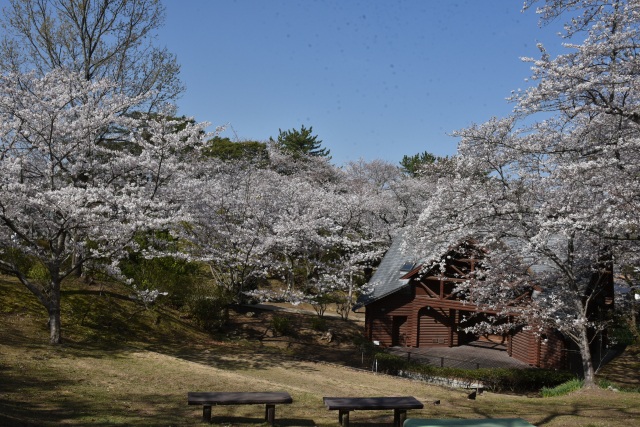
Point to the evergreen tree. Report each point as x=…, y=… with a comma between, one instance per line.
x=300, y=143
x=411, y=165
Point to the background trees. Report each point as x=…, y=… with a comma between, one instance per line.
x=98, y=39
x=555, y=200
x=227, y=150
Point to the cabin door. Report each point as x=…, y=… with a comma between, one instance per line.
x=398, y=337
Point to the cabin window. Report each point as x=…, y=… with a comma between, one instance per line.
x=407, y=267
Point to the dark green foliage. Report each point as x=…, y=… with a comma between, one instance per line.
x=411, y=165
x=17, y=258
x=281, y=325
x=622, y=334
x=300, y=143
x=367, y=348
x=226, y=150
x=210, y=310
x=173, y=275
x=166, y=274
x=496, y=380
x=319, y=324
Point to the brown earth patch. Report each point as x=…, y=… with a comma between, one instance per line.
x=328, y=338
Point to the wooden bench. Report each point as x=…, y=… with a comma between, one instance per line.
x=346, y=404
x=487, y=422
x=209, y=399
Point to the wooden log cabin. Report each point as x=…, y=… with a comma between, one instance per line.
x=414, y=308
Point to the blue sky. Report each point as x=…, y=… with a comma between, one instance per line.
x=376, y=79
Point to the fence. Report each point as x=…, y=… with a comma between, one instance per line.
x=472, y=362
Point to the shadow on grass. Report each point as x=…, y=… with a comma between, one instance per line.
x=20, y=406
x=24, y=409
x=258, y=421
x=227, y=358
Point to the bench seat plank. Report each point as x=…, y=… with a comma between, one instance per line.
x=372, y=403
x=237, y=398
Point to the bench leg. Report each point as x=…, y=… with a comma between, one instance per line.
x=270, y=413
x=206, y=413
x=399, y=416
x=343, y=417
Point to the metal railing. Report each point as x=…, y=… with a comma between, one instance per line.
x=445, y=362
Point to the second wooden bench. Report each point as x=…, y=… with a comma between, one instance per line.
x=346, y=404
x=209, y=399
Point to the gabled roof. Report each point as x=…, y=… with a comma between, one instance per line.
x=398, y=268
x=387, y=278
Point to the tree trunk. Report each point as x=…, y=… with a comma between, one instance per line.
x=53, y=308
x=54, y=326
x=633, y=319
x=349, y=297
x=587, y=363
x=77, y=261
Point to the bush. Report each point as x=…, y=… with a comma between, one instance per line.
x=496, y=380
x=281, y=325
x=392, y=364
x=39, y=273
x=562, y=389
x=165, y=274
x=622, y=334
x=319, y=324
x=209, y=308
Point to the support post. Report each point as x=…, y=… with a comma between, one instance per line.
x=270, y=414
x=206, y=413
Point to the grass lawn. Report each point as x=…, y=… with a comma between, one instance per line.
x=123, y=366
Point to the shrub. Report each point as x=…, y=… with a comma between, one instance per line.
x=209, y=308
x=392, y=364
x=39, y=273
x=319, y=324
x=281, y=325
x=165, y=274
x=497, y=380
x=562, y=389
x=622, y=334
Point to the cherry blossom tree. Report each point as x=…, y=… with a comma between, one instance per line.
x=79, y=177
x=232, y=208
x=554, y=199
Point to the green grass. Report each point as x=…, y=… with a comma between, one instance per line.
x=606, y=384
x=562, y=389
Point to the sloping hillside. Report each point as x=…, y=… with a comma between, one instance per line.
x=123, y=365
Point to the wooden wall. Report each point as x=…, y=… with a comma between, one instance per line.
x=524, y=348
x=434, y=327
x=544, y=351
x=553, y=353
